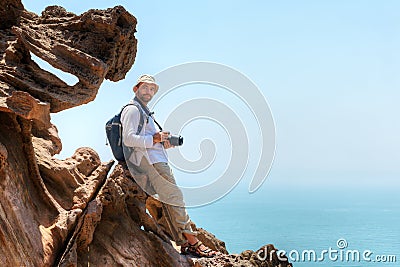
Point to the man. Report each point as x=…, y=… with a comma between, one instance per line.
x=145, y=153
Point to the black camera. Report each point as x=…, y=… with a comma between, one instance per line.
x=175, y=140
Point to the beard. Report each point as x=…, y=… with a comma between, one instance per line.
x=145, y=98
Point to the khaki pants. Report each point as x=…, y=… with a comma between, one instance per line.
x=163, y=183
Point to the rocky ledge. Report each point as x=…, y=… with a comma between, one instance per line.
x=74, y=212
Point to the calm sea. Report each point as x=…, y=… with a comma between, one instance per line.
x=355, y=226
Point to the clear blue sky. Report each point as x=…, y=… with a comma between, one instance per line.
x=329, y=70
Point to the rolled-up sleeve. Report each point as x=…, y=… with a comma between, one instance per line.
x=130, y=118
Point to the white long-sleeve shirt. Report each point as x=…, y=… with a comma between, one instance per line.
x=143, y=142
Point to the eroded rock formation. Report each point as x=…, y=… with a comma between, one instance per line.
x=72, y=212
x=93, y=46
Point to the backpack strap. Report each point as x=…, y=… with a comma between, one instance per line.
x=141, y=120
x=147, y=112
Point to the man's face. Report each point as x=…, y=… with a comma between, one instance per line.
x=146, y=92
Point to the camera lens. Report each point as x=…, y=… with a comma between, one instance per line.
x=176, y=140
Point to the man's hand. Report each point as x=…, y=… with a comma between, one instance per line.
x=157, y=138
x=167, y=145
x=160, y=137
